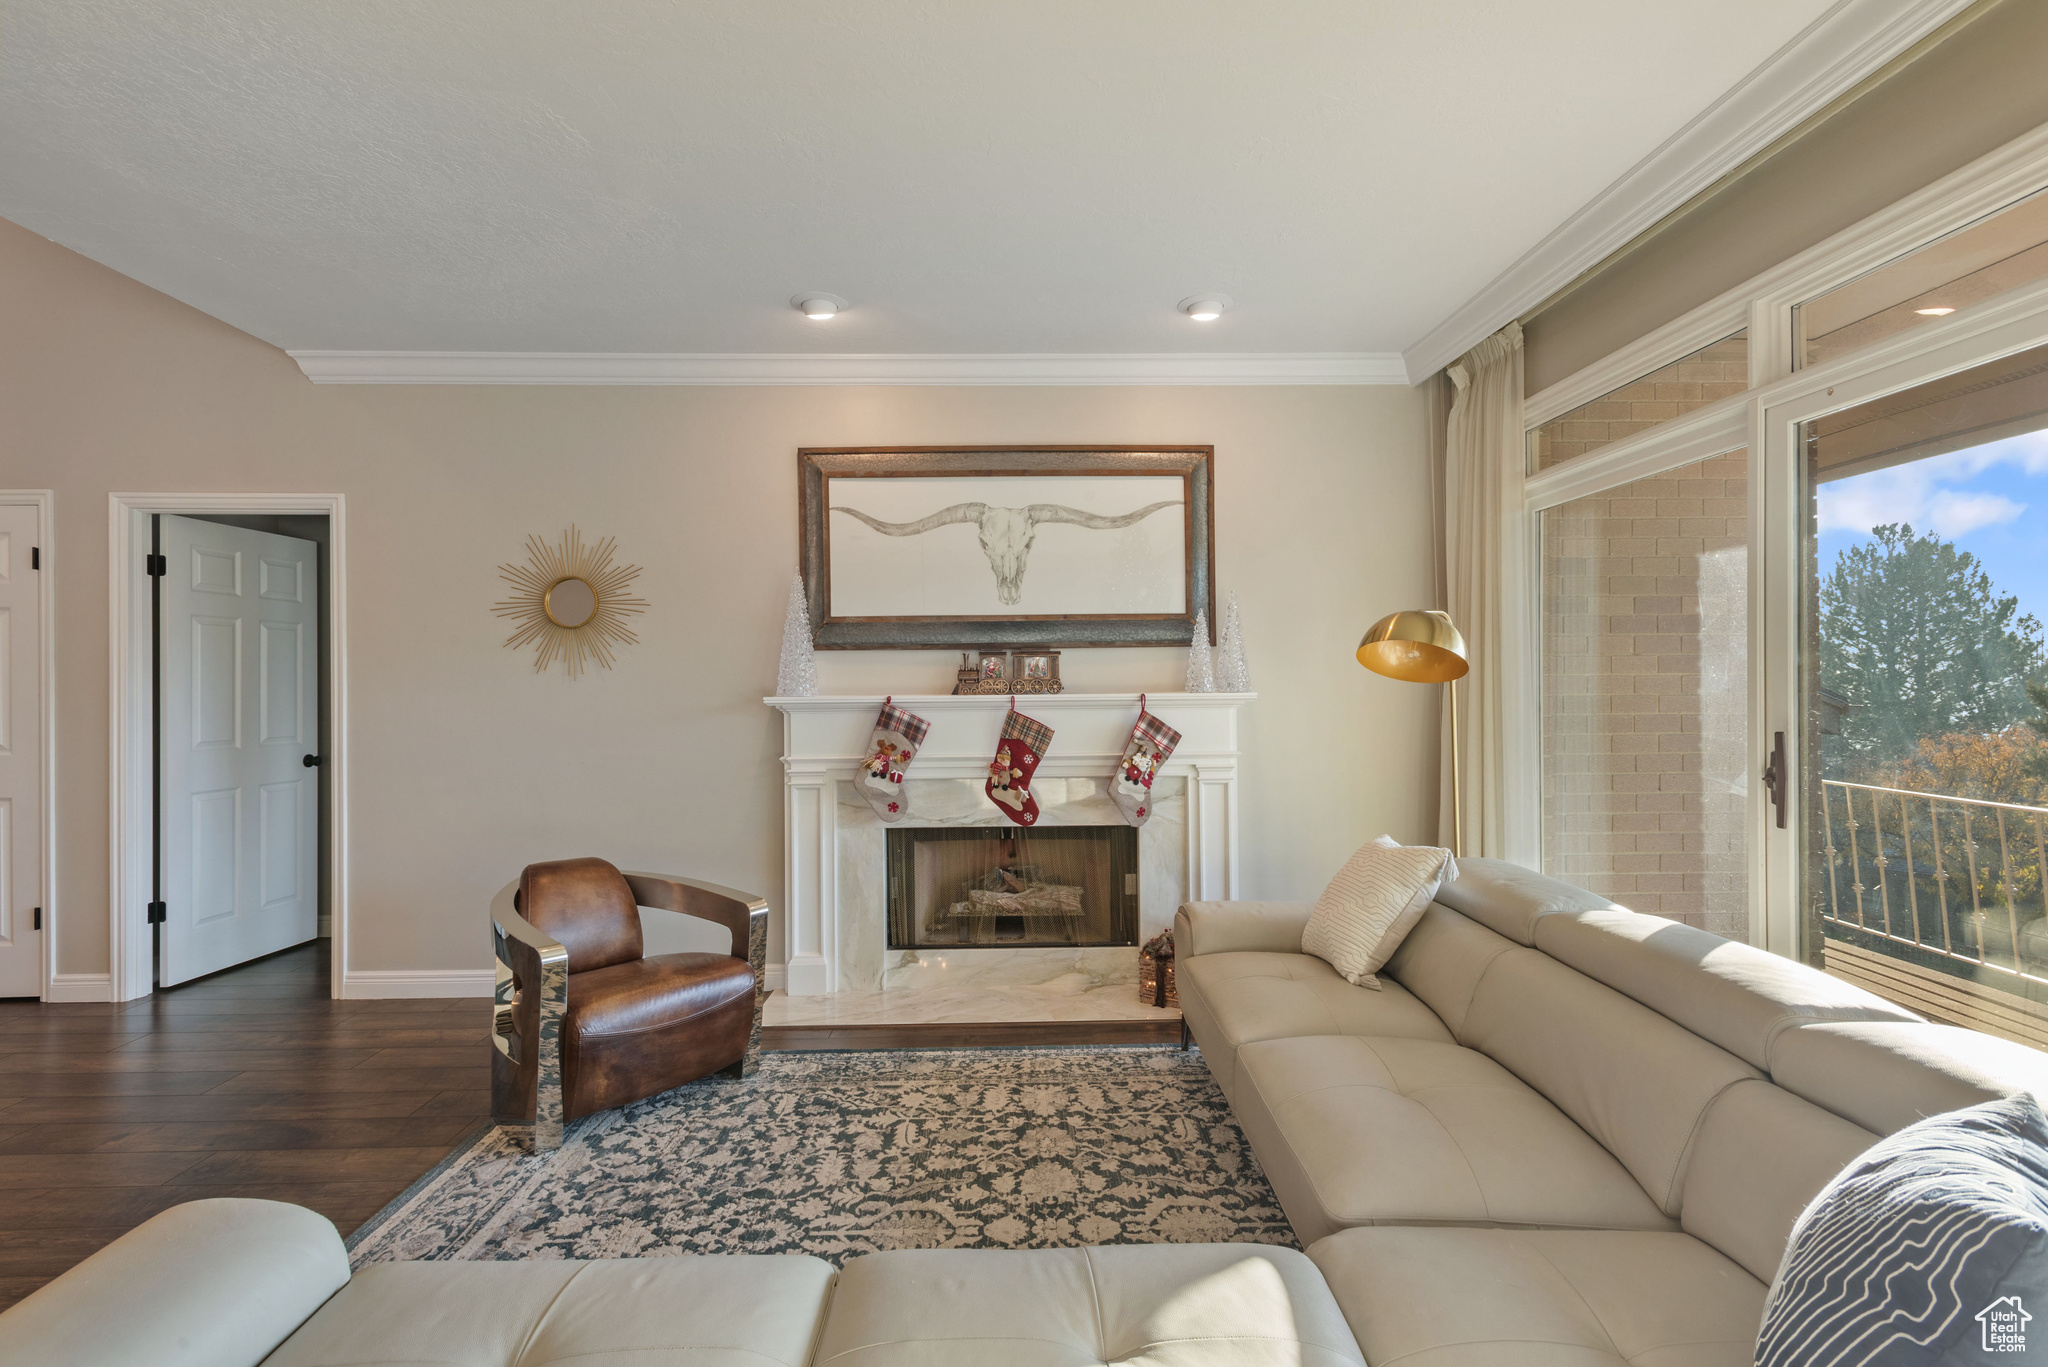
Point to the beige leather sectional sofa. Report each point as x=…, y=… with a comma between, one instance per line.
x=1561, y=1135
x=1561, y=1132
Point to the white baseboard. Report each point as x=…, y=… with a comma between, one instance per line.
x=80, y=987
x=775, y=977
x=364, y=983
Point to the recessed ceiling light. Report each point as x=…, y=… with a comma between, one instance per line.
x=1934, y=313
x=1205, y=308
x=818, y=308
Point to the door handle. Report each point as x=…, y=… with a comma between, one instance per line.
x=313, y=762
x=1775, y=777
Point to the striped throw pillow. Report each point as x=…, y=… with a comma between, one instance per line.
x=1372, y=904
x=1932, y=1248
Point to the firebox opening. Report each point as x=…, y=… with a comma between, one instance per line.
x=1001, y=887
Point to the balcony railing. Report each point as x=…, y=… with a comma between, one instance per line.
x=1952, y=876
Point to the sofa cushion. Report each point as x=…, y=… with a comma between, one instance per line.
x=1375, y=1131
x=1923, y=1251
x=1372, y=904
x=1204, y=1305
x=1886, y=1075
x=1631, y=1078
x=653, y=1312
x=1763, y=1154
x=1736, y=995
x=1236, y=927
x=1541, y=1298
x=1443, y=959
x=214, y=1283
x=1511, y=899
x=1231, y=1000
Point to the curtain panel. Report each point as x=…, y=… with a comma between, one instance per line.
x=1484, y=460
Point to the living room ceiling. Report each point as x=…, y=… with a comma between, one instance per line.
x=634, y=176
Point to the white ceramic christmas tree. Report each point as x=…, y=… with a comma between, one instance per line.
x=1232, y=674
x=797, y=675
x=1201, y=663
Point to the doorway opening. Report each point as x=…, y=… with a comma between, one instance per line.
x=240, y=722
x=229, y=735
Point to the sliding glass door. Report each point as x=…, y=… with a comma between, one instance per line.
x=1923, y=693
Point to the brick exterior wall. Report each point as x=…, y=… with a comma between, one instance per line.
x=1645, y=685
x=1711, y=373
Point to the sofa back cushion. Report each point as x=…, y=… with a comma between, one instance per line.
x=1636, y=1082
x=1886, y=1075
x=1736, y=995
x=1762, y=1155
x=1510, y=899
x=1442, y=960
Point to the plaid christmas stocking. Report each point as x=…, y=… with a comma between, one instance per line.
x=1022, y=746
x=1152, y=740
x=897, y=735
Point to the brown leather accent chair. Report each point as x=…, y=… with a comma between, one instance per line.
x=585, y=1021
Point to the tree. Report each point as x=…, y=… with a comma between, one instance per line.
x=1914, y=636
x=2036, y=767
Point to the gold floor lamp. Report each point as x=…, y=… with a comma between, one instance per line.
x=1424, y=647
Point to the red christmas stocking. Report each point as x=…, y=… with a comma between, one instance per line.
x=1022, y=746
x=897, y=735
x=1152, y=740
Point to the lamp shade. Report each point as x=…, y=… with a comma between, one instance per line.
x=1420, y=647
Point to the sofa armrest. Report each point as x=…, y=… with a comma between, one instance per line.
x=215, y=1283
x=1237, y=927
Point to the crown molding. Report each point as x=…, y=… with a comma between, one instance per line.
x=1851, y=41
x=824, y=368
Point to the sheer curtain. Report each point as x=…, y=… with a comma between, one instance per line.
x=1484, y=457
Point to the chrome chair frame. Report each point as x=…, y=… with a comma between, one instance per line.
x=527, y=957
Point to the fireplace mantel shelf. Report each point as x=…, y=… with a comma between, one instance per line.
x=825, y=739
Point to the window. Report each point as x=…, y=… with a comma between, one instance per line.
x=1926, y=694
x=1707, y=375
x=1968, y=266
x=1645, y=693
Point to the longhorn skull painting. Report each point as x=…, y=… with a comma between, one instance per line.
x=1007, y=533
x=974, y=547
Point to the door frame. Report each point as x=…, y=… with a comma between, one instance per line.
x=81, y=986
x=131, y=724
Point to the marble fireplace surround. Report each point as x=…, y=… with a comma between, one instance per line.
x=835, y=861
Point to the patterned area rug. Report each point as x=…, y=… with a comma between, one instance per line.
x=840, y=1154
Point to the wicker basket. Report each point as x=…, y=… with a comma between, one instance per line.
x=1150, y=971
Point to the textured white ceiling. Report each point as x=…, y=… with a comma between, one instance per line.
x=974, y=175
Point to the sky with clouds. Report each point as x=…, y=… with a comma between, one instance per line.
x=1991, y=500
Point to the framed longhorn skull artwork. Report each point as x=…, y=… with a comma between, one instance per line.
x=1007, y=545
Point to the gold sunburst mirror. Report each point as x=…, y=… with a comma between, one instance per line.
x=570, y=603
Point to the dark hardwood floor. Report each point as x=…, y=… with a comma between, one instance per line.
x=249, y=1083
x=254, y=1082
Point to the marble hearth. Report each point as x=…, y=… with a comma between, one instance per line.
x=840, y=970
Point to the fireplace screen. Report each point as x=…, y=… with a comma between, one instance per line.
x=991, y=888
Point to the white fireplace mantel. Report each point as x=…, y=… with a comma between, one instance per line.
x=825, y=739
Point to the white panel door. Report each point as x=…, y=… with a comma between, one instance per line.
x=21, y=759
x=240, y=716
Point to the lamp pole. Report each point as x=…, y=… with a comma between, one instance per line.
x=1425, y=646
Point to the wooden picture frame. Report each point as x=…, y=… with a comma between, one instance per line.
x=991, y=548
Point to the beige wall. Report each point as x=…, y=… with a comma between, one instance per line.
x=465, y=765
x=1977, y=90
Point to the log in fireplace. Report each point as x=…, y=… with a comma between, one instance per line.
x=998, y=887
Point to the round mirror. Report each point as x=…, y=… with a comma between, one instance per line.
x=569, y=602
